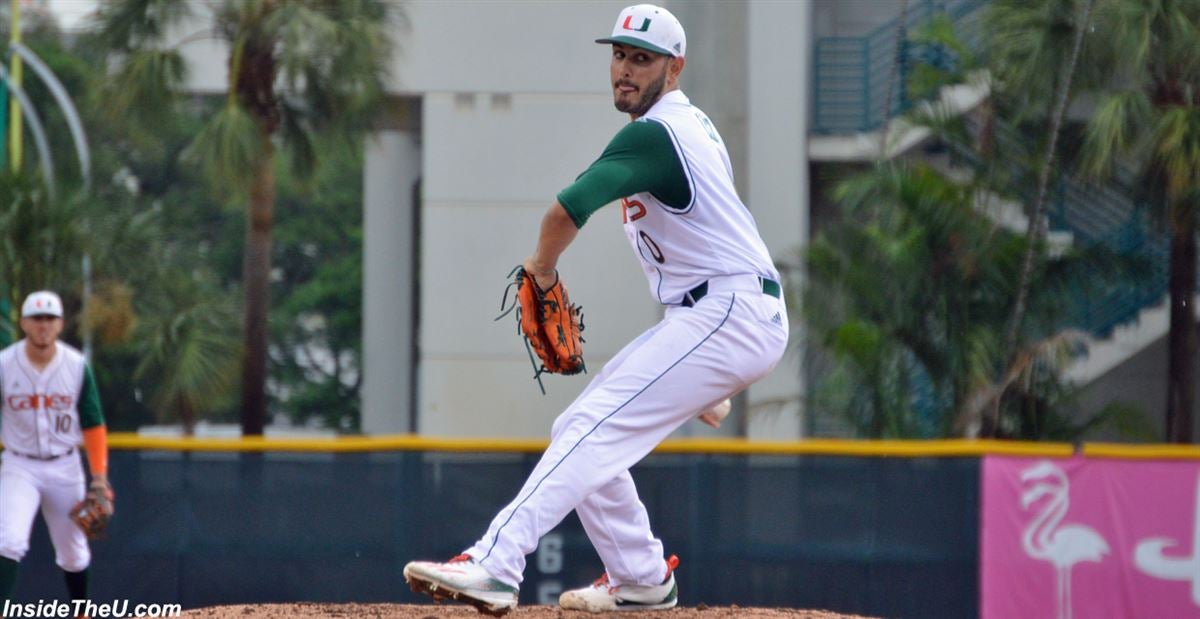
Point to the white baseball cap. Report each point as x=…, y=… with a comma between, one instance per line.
x=42, y=303
x=649, y=27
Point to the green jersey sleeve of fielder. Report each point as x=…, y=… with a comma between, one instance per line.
x=640, y=158
x=89, y=401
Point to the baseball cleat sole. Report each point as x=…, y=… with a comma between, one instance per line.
x=439, y=592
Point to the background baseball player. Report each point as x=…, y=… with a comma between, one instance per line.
x=725, y=326
x=50, y=405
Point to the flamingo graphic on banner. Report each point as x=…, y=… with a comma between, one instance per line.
x=1047, y=539
x=1150, y=558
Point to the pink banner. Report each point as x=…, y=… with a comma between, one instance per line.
x=1089, y=539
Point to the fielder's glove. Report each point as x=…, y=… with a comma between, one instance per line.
x=95, y=510
x=550, y=323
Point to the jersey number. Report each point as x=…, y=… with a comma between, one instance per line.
x=62, y=424
x=655, y=252
x=627, y=205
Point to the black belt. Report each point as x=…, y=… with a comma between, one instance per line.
x=44, y=458
x=693, y=296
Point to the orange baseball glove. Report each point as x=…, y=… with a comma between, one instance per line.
x=95, y=510
x=551, y=325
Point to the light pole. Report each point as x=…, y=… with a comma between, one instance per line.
x=16, y=73
x=22, y=109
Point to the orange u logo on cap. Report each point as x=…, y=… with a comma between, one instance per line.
x=645, y=24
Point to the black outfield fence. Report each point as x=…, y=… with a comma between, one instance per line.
x=852, y=530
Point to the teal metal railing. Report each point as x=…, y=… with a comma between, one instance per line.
x=850, y=74
x=1110, y=215
x=1107, y=214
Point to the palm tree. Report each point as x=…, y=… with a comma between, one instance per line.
x=1037, y=227
x=1151, y=117
x=41, y=241
x=909, y=294
x=188, y=353
x=1025, y=35
x=296, y=67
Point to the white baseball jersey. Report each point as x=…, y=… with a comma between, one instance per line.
x=42, y=410
x=680, y=209
x=714, y=234
x=43, y=414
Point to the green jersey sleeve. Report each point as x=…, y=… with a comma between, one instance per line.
x=89, y=401
x=640, y=158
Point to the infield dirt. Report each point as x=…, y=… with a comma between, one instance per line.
x=457, y=611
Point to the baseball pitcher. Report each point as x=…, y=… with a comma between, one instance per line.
x=50, y=405
x=725, y=326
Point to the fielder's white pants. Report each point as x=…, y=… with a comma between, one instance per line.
x=695, y=358
x=54, y=486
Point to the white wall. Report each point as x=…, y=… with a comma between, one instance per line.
x=777, y=181
x=392, y=166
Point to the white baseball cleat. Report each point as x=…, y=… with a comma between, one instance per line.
x=602, y=597
x=463, y=580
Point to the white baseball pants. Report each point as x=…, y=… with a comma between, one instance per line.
x=691, y=360
x=55, y=486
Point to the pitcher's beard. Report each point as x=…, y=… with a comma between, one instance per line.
x=647, y=100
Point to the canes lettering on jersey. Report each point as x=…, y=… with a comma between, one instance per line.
x=40, y=416
x=51, y=401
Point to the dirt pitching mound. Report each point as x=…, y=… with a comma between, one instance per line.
x=308, y=610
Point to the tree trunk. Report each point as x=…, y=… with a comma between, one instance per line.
x=1037, y=229
x=256, y=276
x=1181, y=340
x=987, y=128
x=187, y=415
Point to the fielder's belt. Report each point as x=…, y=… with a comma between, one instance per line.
x=43, y=458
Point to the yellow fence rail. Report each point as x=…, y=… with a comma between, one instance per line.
x=948, y=448
x=832, y=447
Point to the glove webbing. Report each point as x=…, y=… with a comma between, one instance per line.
x=538, y=368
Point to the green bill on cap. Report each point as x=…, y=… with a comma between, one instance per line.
x=636, y=42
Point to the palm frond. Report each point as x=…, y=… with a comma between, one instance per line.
x=41, y=239
x=946, y=58
x=1115, y=130
x=189, y=343
x=306, y=36
x=1177, y=149
x=137, y=24
x=298, y=140
x=144, y=83
x=333, y=57
x=228, y=148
